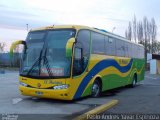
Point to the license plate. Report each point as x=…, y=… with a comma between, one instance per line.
x=39, y=93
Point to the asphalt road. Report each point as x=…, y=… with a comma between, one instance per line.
x=143, y=99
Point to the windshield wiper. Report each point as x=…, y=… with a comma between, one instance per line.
x=37, y=60
x=45, y=62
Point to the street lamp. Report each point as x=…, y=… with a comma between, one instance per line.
x=27, y=26
x=113, y=29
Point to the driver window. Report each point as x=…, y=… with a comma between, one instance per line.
x=83, y=43
x=77, y=61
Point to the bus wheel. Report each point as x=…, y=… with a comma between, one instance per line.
x=134, y=81
x=96, y=89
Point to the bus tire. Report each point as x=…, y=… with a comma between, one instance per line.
x=134, y=81
x=96, y=89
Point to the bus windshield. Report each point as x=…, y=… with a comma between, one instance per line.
x=45, y=55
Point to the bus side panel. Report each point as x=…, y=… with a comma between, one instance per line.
x=120, y=76
x=115, y=78
x=114, y=71
x=140, y=69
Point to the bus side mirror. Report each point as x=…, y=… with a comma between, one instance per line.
x=69, y=47
x=14, y=44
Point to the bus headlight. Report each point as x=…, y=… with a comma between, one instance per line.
x=23, y=84
x=60, y=87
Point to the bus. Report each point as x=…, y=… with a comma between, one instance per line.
x=68, y=62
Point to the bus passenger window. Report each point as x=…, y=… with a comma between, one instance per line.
x=110, y=44
x=98, y=46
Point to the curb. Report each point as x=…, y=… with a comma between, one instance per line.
x=97, y=110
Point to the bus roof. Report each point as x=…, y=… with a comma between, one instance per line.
x=78, y=27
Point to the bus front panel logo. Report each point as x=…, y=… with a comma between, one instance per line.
x=38, y=85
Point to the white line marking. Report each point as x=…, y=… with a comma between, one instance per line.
x=151, y=77
x=16, y=100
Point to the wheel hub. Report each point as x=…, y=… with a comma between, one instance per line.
x=95, y=89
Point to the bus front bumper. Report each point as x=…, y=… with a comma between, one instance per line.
x=45, y=93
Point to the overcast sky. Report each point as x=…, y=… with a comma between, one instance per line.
x=104, y=14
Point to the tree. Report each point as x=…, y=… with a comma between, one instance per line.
x=128, y=32
x=140, y=33
x=144, y=32
x=135, y=28
x=145, y=23
x=2, y=46
x=153, y=33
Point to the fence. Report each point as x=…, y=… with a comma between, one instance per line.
x=7, y=61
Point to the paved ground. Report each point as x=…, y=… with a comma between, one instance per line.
x=144, y=99
x=13, y=103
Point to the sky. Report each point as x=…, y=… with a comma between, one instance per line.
x=103, y=14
